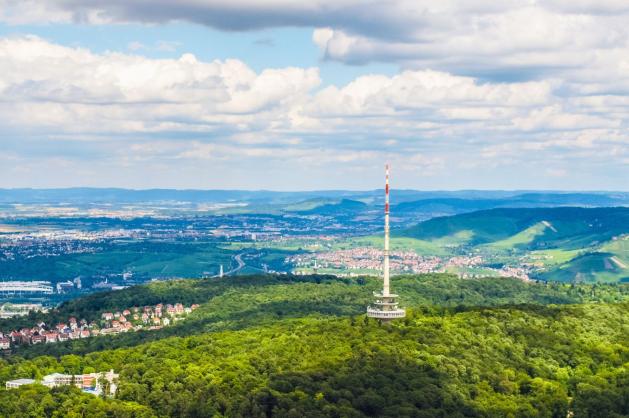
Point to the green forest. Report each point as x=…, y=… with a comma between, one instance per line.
x=294, y=346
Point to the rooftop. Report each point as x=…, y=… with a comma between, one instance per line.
x=21, y=381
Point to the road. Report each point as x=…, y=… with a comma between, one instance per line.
x=241, y=264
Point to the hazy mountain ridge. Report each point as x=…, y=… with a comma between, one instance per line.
x=85, y=195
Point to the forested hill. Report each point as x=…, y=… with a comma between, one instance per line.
x=293, y=346
x=298, y=295
x=568, y=227
x=566, y=244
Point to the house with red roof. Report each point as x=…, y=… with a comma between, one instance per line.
x=5, y=344
x=38, y=339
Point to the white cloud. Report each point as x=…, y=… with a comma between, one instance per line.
x=506, y=39
x=71, y=88
x=57, y=101
x=526, y=41
x=426, y=89
x=135, y=46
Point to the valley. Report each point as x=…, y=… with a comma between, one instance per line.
x=78, y=254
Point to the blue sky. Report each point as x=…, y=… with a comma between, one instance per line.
x=260, y=49
x=290, y=96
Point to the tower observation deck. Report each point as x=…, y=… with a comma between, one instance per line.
x=385, y=307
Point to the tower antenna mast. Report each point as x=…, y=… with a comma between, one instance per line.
x=386, y=306
x=385, y=272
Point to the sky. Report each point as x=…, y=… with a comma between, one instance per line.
x=290, y=95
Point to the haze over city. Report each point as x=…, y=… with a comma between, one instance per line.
x=314, y=95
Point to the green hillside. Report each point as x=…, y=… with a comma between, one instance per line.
x=591, y=267
x=300, y=346
x=569, y=244
x=309, y=204
x=238, y=302
x=334, y=208
x=564, y=227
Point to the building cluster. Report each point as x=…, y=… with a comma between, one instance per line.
x=520, y=273
x=464, y=261
x=362, y=259
x=95, y=383
x=515, y=272
x=365, y=258
x=10, y=310
x=25, y=246
x=16, y=288
x=127, y=320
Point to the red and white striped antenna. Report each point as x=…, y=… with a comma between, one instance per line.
x=385, y=290
x=386, y=189
x=386, y=306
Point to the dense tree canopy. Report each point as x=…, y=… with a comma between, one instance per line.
x=287, y=346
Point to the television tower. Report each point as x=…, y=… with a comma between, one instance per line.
x=386, y=306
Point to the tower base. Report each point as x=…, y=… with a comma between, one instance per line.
x=385, y=308
x=387, y=315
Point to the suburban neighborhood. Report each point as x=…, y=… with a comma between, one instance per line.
x=128, y=320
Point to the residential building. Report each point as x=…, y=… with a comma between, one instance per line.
x=13, y=384
x=5, y=343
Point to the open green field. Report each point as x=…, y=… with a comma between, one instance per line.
x=620, y=250
x=553, y=257
x=472, y=271
x=145, y=259
x=397, y=243
x=286, y=244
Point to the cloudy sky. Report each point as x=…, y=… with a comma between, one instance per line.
x=294, y=95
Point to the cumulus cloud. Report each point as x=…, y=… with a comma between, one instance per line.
x=488, y=39
x=71, y=105
x=70, y=88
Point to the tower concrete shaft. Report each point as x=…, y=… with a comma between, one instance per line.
x=385, y=306
x=385, y=290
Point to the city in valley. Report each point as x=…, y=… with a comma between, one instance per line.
x=48, y=256
x=364, y=260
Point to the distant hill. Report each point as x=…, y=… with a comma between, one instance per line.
x=86, y=195
x=576, y=244
x=572, y=199
x=565, y=227
x=446, y=206
x=455, y=205
x=344, y=206
x=463, y=199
